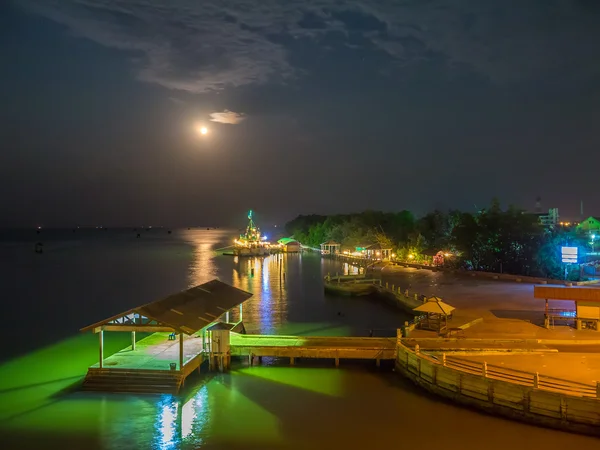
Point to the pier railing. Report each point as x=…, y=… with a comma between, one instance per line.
x=531, y=379
x=404, y=299
x=543, y=396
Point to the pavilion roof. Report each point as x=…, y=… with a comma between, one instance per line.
x=377, y=247
x=435, y=305
x=286, y=241
x=575, y=293
x=187, y=311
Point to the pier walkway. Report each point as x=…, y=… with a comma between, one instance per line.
x=361, y=285
x=336, y=348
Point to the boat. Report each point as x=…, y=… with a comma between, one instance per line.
x=252, y=242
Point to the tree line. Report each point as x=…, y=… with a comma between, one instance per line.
x=493, y=239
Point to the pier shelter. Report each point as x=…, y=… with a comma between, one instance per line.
x=436, y=314
x=586, y=314
x=376, y=251
x=330, y=248
x=181, y=339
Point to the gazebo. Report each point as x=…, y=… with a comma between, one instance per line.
x=376, y=251
x=436, y=314
x=330, y=247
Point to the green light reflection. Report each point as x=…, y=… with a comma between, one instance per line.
x=320, y=380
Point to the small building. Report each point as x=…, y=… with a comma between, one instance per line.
x=435, y=314
x=289, y=245
x=330, y=248
x=376, y=251
x=586, y=314
x=549, y=219
x=428, y=256
x=590, y=224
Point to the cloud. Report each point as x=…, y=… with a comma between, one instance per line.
x=176, y=100
x=229, y=117
x=208, y=45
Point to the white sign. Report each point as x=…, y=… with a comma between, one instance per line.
x=569, y=254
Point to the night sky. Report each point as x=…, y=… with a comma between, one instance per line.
x=318, y=106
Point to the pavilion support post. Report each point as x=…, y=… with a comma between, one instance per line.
x=181, y=351
x=241, y=312
x=100, y=348
x=227, y=317
x=133, y=340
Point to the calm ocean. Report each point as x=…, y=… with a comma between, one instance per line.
x=88, y=275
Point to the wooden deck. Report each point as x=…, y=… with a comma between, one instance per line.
x=154, y=352
x=147, y=368
x=294, y=347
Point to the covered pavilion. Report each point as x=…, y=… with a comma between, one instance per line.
x=330, y=247
x=436, y=313
x=378, y=252
x=180, y=326
x=586, y=311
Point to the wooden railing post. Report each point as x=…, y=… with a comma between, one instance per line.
x=417, y=349
x=484, y=369
x=536, y=380
x=443, y=359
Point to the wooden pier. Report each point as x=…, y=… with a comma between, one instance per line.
x=149, y=368
x=192, y=327
x=361, y=285
x=294, y=347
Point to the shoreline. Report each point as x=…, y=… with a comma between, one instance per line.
x=496, y=276
x=485, y=336
x=550, y=408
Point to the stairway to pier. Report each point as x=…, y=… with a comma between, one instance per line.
x=133, y=381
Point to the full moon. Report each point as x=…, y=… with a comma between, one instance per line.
x=203, y=130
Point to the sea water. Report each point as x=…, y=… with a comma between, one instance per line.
x=84, y=276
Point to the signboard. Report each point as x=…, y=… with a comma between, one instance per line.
x=569, y=255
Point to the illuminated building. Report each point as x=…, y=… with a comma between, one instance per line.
x=251, y=243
